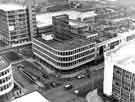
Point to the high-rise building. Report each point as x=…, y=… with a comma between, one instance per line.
x=17, y=23
x=123, y=87
x=119, y=73
x=6, y=76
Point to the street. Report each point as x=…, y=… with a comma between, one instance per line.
x=56, y=93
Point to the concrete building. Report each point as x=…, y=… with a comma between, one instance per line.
x=6, y=76
x=64, y=54
x=32, y=97
x=119, y=72
x=16, y=21
x=62, y=48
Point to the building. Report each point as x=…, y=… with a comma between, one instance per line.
x=6, y=76
x=64, y=48
x=123, y=87
x=16, y=21
x=119, y=72
x=64, y=30
x=64, y=53
x=32, y=97
x=46, y=18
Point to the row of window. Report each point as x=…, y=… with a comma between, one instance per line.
x=116, y=93
x=65, y=64
x=5, y=79
x=13, y=23
x=19, y=36
x=67, y=52
x=120, y=72
x=131, y=37
x=113, y=44
x=3, y=88
x=4, y=72
x=16, y=11
x=20, y=41
x=69, y=58
x=18, y=20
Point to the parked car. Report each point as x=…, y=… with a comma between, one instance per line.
x=55, y=84
x=81, y=76
x=20, y=66
x=68, y=86
x=76, y=91
x=45, y=76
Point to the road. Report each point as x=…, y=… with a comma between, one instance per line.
x=59, y=94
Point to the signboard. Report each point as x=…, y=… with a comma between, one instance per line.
x=11, y=28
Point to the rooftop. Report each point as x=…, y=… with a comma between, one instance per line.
x=46, y=18
x=3, y=63
x=34, y=97
x=124, y=56
x=11, y=7
x=128, y=64
x=77, y=24
x=65, y=44
x=22, y=79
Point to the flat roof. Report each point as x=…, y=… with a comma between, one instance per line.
x=11, y=6
x=127, y=64
x=64, y=45
x=22, y=79
x=32, y=97
x=76, y=24
x=3, y=63
x=46, y=18
x=124, y=56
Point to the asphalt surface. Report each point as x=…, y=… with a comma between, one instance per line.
x=58, y=93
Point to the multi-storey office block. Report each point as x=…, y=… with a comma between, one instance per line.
x=123, y=86
x=15, y=24
x=119, y=72
x=64, y=54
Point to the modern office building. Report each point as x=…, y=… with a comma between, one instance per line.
x=6, y=76
x=123, y=87
x=65, y=30
x=119, y=72
x=63, y=49
x=16, y=21
x=64, y=53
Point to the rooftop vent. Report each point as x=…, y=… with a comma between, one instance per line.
x=47, y=36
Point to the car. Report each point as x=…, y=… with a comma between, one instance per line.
x=55, y=84
x=20, y=66
x=81, y=76
x=68, y=86
x=45, y=76
x=76, y=91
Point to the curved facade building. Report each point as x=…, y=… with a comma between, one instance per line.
x=6, y=76
x=64, y=55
